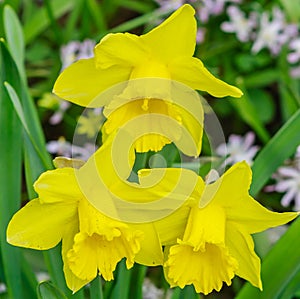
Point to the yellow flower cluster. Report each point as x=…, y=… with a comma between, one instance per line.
x=200, y=234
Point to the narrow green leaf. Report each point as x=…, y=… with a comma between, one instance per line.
x=279, y=148
x=39, y=21
x=96, y=288
x=18, y=107
x=47, y=290
x=293, y=286
x=262, y=78
x=10, y=174
x=137, y=280
x=14, y=37
x=97, y=14
x=121, y=287
x=55, y=28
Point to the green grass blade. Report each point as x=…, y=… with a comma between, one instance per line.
x=122, y=285
x=96, y=288
x=40, y=22
x=97, y=14
x=47, y=290
x=137, y=279
x=279, y=148
x=55, y=28
x=248, y=113
x=14, y=36
x=19, y=110
x=10, y=174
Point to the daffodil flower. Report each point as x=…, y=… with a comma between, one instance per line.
x=92, y=241
x=217, y=244
x=165, y=52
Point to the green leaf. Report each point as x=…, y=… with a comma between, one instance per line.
x=292, y=9
x=262, y=78
x=96, y=288
x=10, y=176
x=46, y=290
x=248, y=112
x=19, y=110
x=279, y=148
x=121, y=287
x=14, y=37
x=137, y=279
x=39, y=22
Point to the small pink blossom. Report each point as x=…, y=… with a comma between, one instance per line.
x=239, y=24
x=238, y=149
x=288, y=182
x=273, y=32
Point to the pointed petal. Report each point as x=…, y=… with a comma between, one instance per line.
x=81, y=83
x=150, y=253
x=231, y=192
x=191, y=71
x=51, y=186
x=120, y=49
x=175, y=37
x=256, y=218
x=241, y=247
x=40, y=226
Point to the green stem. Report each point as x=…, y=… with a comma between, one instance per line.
x=53, y=23
x=96, y=289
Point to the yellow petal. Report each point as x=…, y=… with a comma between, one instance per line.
x=154, y=112
x=241, y=246
x=82, y=83
x=205, y=225
x=231, y=192
x=95, y=254
x=40, y=226
x=150, y=253
x=92, y=221
x=206, y=269
x=73, y=282
x=191, y=71
x=172, y=227
x=194, y=128
x=148, y=120
x=175, y=37
x=51, y=186
x=120, y=49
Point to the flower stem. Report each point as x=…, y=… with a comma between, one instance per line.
x=96, y=289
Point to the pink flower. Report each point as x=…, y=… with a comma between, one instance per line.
x=239, y=24
x=238, y=149
x=273, y=34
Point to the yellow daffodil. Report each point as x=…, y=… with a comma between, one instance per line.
x=91, y=242
x=164, y=52
x=217, y=242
